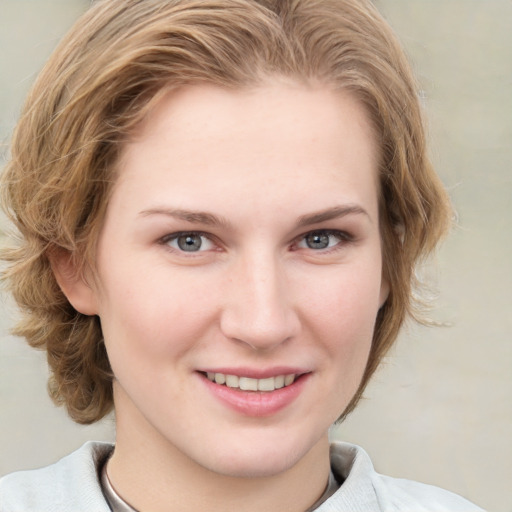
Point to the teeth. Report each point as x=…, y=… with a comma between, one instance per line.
x=248, y=384
x=232, y=381
x=266, y=384
x=279, y=382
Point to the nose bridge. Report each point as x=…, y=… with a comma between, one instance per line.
x=258, y=311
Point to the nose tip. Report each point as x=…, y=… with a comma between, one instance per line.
x=259, y=313
x=261, y=332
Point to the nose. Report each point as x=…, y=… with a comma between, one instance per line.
x=259, y=310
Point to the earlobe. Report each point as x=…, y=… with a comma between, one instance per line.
x=76, y=289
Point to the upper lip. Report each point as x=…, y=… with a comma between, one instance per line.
x=257, y=373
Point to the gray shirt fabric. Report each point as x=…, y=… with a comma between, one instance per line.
x=73, y=484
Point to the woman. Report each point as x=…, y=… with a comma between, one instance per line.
x=221, y=204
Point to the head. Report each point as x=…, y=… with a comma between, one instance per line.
x=100, y=84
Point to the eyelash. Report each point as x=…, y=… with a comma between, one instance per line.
x=342, y=236
x=167, y=239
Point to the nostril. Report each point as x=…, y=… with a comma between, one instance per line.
x=260, y=331
x=262, y=343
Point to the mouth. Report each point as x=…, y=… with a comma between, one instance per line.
x=249, y=384
x=274, y=391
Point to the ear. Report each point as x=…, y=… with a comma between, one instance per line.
x=76, y=289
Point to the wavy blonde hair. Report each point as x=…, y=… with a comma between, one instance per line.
x=103, y=78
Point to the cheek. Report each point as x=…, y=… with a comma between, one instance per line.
x=342, y=315
x=150, y=318
x=347, y=300
x=339, y=320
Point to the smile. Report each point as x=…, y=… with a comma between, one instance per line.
x=257, y=397
x=249, y=384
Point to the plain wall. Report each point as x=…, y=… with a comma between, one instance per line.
x=440, y=408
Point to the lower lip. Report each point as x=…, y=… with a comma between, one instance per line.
x=257, y=403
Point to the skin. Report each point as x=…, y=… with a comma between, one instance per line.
x=255, y=297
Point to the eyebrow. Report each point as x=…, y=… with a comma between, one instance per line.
x=209, y=219
x=335, y=212
x=194, y=217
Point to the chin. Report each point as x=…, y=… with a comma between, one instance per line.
x=261, y=467
x=257, y=459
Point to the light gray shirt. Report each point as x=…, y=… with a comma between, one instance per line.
x=73, y=485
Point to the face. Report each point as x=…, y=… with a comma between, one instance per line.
x=239, y=273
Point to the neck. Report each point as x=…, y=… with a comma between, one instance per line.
x=151, y=474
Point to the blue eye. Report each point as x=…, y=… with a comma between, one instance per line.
x=189, y=242
x=318, y=240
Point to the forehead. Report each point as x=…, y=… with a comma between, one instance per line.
x=203, y=110
x=254, y=141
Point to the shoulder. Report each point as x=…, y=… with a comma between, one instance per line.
x=70, y=484
x=400, y=494
x=364, y=489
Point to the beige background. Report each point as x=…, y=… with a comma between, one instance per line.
x=440, y=409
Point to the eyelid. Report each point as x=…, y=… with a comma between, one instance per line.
x=344, y=236
x=175, y=235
